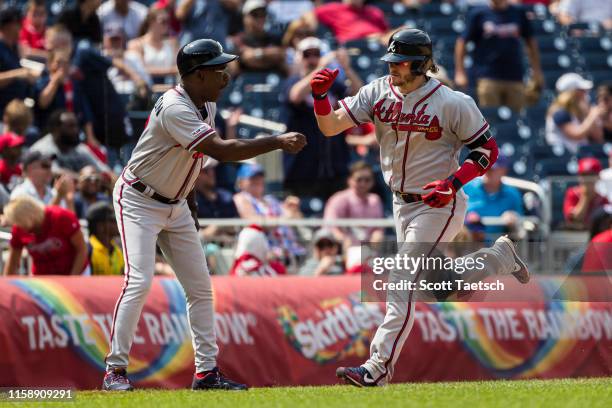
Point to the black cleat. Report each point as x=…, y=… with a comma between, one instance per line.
x=214, y=380
x=116, y=380
x=519, y=270
x=357, y=376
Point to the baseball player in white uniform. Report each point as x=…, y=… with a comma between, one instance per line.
x=150, y=201
x=421, y=125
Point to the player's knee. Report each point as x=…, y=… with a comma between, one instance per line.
x=199, y=292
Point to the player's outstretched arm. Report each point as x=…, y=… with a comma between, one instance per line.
x=241, y=149
x=330, y=122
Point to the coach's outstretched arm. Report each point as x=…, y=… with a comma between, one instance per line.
x=240, y=149
x=330, y=122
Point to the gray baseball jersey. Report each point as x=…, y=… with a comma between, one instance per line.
x=164, y=158
x=420, y=134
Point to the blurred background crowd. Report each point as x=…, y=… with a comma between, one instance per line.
x=78, y=79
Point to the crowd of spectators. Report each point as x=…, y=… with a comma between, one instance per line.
x=68, y=81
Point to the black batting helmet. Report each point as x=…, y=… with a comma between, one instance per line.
x=201, y=53
x=410, y=44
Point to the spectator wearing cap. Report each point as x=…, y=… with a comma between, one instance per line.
x=496, y=31
x=154, y=47
x=127, y=14
x=55, y=89
x=204, y=19
x=128, y=75
x=252, y=203
x=82, y=21
x=169, y=6
x=326, y=256
x=14, y=80
x=357, y=201
x=258, y=49
x=585, y=11
x=37, y=182
x=52, y=236
x=348, y=20
x=64, y=145
x=213, y=202
x=489, y=196
x=570, y=121
x=320, y=169
x=251, y=257
x=89, y=191
x=33, y=26
x=11, y=146
x=582, y=200
x=105, y=256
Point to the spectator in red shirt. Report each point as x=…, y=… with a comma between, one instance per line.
x=349, y=20
x=32, y=34
x=598, y=254
x=581, y=200
x=10, y=153
x=251, y=257
x=52, y=236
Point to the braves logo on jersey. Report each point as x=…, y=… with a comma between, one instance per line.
x=388, y=111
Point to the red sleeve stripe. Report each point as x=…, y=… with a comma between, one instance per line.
x=478, y=133
x=355, y=121
x=200, y=137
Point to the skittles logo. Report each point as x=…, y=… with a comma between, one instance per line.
x=338, y=328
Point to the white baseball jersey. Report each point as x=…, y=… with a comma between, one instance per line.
x=420, y=134
x=164, y=158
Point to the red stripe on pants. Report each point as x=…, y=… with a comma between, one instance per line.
x=127, y=269
x=410, y=295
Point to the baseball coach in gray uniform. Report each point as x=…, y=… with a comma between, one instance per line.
x=151, y=206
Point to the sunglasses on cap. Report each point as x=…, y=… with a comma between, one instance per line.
x=91, y=179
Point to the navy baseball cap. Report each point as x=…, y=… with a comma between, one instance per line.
x=99, y=212
x=34, y=156
x=248, y=171
x=9, y=14
x=502, y=162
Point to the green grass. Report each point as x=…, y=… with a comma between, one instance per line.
x=589, y=393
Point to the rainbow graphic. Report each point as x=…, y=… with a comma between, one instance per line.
x=548, y=352
x=54, y=299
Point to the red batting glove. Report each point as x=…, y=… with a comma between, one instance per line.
x=443, y=192
x=322, y=81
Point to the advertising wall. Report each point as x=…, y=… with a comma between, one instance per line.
x=289, y=331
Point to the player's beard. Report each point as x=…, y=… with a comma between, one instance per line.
x=403, y=80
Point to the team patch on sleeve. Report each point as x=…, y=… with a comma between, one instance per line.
x=199, y=134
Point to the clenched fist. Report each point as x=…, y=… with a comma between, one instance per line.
x=292, y=142
x=322, y=80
